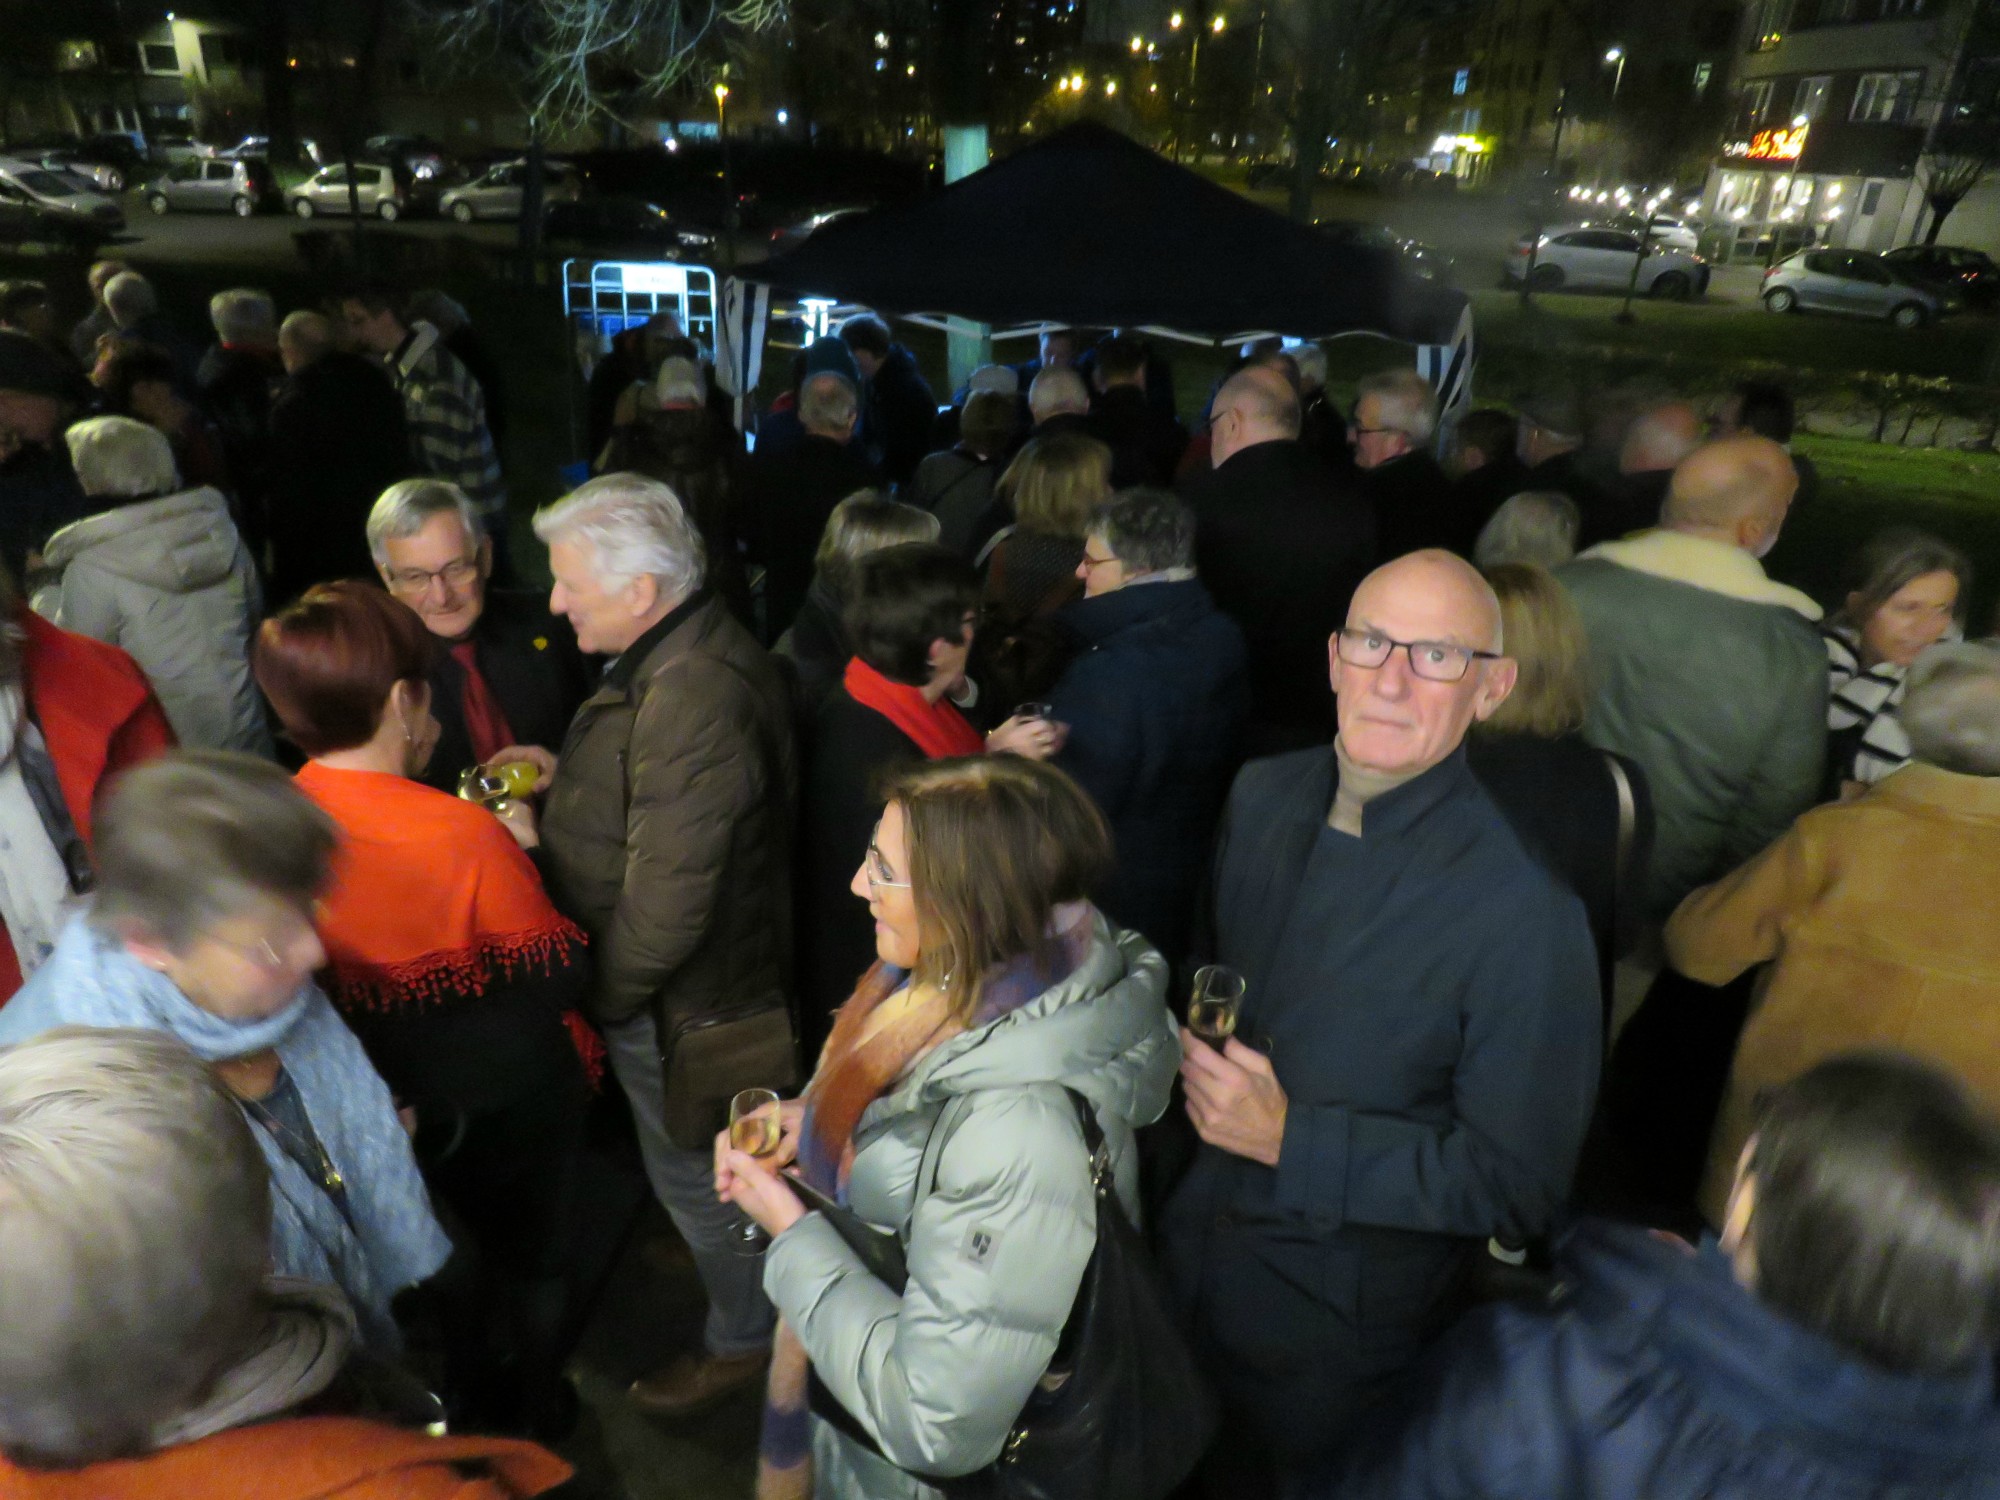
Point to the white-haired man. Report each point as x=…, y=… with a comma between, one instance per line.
x=790, y=490
x=1395, y=419
x=236, y=379
x=506, y=678
x=667, y=834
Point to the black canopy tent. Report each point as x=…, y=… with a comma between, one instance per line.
x=1088, y=227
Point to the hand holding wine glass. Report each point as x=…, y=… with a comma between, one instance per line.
x=756, y=1130
x=1216, y=1003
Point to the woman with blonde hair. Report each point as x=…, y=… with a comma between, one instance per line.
x=1585, y=812
x=941, y=1113
x=1052, y=487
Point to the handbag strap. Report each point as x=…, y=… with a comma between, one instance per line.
x=1628, y=826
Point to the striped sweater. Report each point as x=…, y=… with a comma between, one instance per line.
x=446, y=412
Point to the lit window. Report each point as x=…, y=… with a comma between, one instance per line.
x=1886, y=98
x=1461, y=80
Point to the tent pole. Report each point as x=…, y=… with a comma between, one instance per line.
x=969, y=345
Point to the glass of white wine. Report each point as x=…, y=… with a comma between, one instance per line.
x=1215, y=1003
x=754, y=1130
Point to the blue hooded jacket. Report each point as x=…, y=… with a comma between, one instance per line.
x=1654, y=1375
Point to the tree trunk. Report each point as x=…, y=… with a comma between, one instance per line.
x=1941, y=206
x=1315, y=109
x=274, y=36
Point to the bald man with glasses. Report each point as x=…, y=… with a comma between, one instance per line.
x=1417, y=1053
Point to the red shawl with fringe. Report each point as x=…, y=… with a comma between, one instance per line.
x=431, y=899
x=938, y=728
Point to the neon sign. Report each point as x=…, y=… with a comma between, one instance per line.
x=1772, y=145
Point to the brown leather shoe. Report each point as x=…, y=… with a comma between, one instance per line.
x=693, y=1382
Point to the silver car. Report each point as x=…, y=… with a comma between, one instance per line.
x=496, y=193
x=1854, y=282
x=376, y=186
x=240, y=187
x=36, y=203
x=1600, y=257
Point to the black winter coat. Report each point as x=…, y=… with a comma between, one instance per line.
x=1155, y=704
x=1428, y=996
x=1282, y=545
x=1145, y=446
x=1415, y=507
x=1656, y=1376
x=338, y=439
x=789, y=492
x=530, y=661
x=899, y=415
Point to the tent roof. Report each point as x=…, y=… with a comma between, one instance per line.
x=1089, y=227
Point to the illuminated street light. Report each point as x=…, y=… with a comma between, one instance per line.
x=1110, y=87
x=1076, y=82
x=1616, y=55
x=1138, y=44
x=1174, y=20
x=881, y=39
x=784, y=117
x=910, y=71
x=721, y=94
x=1216, y=25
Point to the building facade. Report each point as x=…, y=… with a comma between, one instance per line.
x=1836, y=111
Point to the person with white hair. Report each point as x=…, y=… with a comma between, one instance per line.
x=667, y=836
x=133, y=307
x=1535, y=526
x=148, y=1350
x=1395, y=420
x=160, y=572
x=1874, y=914
x=1058, y=401
x=505, y=676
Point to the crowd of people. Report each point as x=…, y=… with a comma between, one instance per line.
x=1605, y=1100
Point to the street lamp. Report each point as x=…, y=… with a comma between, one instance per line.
x=1216, y=25
x=1174, y=21
x=1138, y=44
x=1616, y=55
x=1110, y=87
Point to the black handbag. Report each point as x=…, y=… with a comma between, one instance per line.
x=1122, y=1413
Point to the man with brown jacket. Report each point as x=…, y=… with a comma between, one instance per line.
x=668, y=837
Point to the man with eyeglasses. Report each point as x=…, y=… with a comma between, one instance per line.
x=1416, y=1056
x=507, y=677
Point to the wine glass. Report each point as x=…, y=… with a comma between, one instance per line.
x=754, y=1130
x=1215, y=1003
x=1046, y=712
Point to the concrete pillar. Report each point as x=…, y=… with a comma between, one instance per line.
x=968, y=345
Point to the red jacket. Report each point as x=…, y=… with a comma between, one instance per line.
x=307, y=1458
x=97, y=713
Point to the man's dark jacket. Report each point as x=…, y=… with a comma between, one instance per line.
x=788, y=494
x=1155, y=702
x=337, y=441
x=1282, y=545
x=530, y=662
x=1478, y=493
x=1145, y=445
x=236, y=386
x=39, y=495
x=1655, y=1374
x=899, y=415
x=1415, y=507
x=1428, y=996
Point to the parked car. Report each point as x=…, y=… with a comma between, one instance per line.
x=382, y=190
x=624, y=224
x=37, y=204
x=249, y=146
x=1580, y=257
x=117, y=149
x=243, y=187
x=1425, y=262
x=496, y=193
x=94, y=172
x=424, y=159
x=1852, y=281
x=1971, y=274
x=1667, y=229
x=791, y=236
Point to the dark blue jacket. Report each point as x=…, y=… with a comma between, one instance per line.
x=1155, y=704
x=1428, y=995
x=1654, y=1376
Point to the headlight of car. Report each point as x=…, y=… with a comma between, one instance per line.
x=694, y=239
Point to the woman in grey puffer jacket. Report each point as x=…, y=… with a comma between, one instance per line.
x=161, y=572
x=978, y=867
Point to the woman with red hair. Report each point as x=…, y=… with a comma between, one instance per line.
x=449, y=962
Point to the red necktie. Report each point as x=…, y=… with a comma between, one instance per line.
x=485, y=720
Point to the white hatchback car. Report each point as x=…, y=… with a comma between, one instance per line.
x=1600, y=257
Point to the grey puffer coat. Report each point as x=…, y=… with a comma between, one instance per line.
x=170, y=582
x=997, y=1250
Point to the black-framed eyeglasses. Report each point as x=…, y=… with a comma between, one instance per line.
x=1434, y=661
x=456, y=574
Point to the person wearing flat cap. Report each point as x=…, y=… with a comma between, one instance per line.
x=38, y=488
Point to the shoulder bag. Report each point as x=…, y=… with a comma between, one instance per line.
x=1122, y=1413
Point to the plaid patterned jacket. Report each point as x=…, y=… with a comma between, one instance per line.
x=446, y=412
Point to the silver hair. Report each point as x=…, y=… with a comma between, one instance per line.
x=119, y=457
x=635, y=527
x=1311, y=361
x=128, y=297
x=1409, y=403
x=403, y=510
x=243, y=315
x=827, y=402
x=1147, y=530
x=135, y=1225
x=1055, y=391
x=1951, y=708
x=1535, y=526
